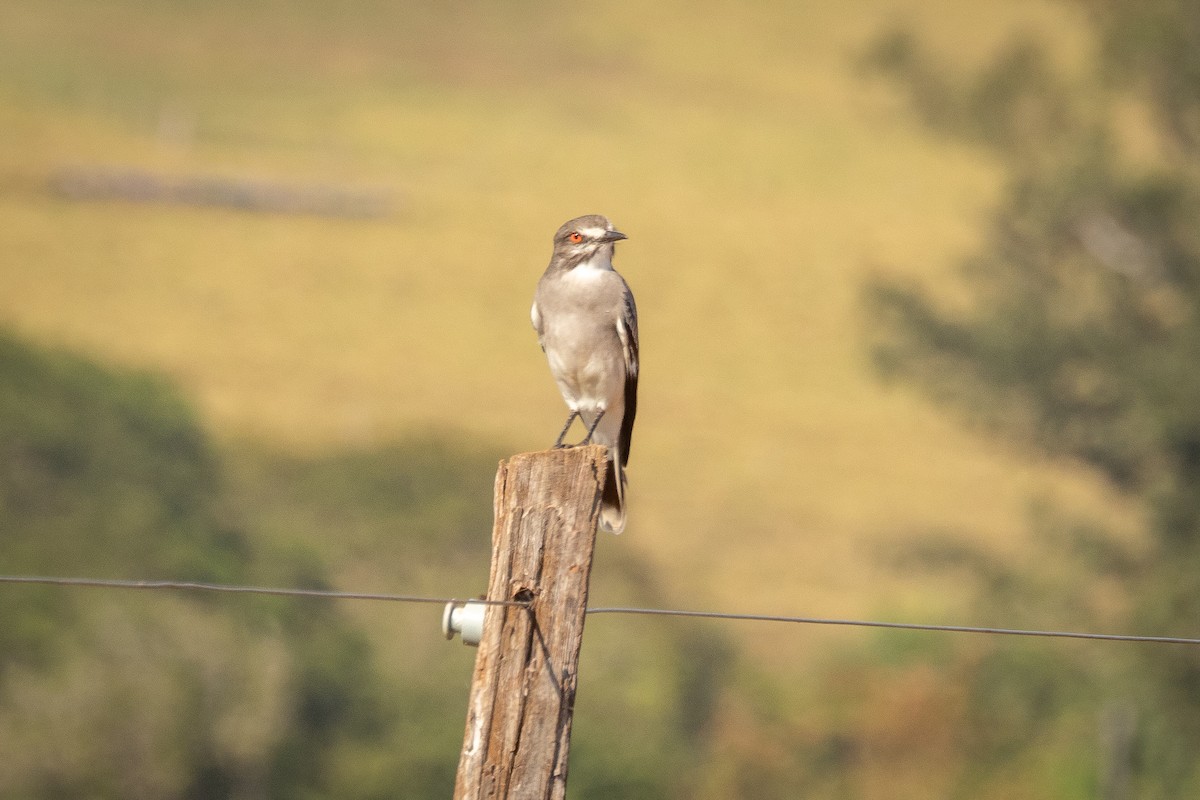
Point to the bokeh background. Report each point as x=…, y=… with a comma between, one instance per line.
x=265, y=271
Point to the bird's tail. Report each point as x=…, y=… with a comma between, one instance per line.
x=612, y=501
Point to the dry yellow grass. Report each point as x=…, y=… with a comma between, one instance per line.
x=759, y=177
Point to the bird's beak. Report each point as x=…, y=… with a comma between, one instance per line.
x=613, y=236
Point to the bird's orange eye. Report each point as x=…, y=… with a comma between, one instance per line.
x=576, y=237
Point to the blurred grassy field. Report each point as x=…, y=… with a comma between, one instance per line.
x=760, y=177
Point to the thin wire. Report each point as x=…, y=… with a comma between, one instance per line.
x=661, y=612
x=910, y=626
x=221, y=587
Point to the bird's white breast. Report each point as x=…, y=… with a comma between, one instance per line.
x=582, y=347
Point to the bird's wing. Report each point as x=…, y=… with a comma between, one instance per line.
x=535, y=316
x=627, y=331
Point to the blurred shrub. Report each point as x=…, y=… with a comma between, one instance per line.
x=1079, y=336
x=105, y=473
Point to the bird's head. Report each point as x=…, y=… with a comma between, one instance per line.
x=582, y=238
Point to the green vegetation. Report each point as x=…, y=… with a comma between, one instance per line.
x=106, y=473
x=321, y=402
x=1080, y=336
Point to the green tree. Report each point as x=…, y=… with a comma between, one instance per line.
x=105, y=472
x=1081, y=332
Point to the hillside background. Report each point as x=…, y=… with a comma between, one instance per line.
x=351, y=380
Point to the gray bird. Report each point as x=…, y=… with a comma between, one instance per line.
x=586, y=323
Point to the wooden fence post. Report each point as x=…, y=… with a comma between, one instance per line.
x=523, y=691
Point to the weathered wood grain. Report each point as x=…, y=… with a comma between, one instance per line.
x=523, y=691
